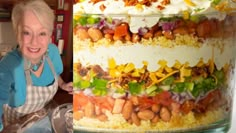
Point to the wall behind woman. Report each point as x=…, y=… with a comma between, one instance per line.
x=7, y=35
x=7, y=38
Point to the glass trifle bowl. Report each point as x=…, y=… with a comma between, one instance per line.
x=153, y=66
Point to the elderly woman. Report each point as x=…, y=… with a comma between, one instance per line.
x=30, y=74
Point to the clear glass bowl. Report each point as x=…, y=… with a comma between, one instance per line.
x=153, y=73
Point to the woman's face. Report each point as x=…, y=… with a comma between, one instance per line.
x=33, y=37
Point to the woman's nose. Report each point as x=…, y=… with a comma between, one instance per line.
x=34, y=40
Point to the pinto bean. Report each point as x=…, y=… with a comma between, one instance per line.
x=129, y=121
x=135, y=38
x=204, y=29
x=108, y=36
x=102, y=117
x=180, y=31
x=118, y=106
x=128, y=37
x=156, y=108
x=187, y=106
x=135, y=119
x=127, y=109
x=117, y=38
x=95, y=34
x=77, y=115
x=134, y=100
x=175, y=108
x=82, y=33
x=155, y=119
x=145, y=114
x=98, y=110
x=158, y=33
x=148, y=35
x=89, y=110
x=165, y=114
x=168, y=34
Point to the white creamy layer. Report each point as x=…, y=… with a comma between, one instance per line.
x=137, y=53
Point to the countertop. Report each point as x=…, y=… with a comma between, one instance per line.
x=233, y=123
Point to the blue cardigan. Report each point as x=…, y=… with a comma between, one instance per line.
x=13, y=80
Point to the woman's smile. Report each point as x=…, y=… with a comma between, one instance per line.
x=33, y=50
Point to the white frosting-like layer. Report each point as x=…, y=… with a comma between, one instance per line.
x=137, y=53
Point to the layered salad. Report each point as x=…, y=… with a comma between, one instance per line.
x=152, y=65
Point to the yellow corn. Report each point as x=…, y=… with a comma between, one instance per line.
x=189, y=2
x=111, y=63
x=142, y=70
x=212, y=66
x=145, y=63
x=139, y=7
x=114, y=73
x=153, y=77
x=186, y=15
x=162, y=63
x=135, y=74
x=200, y=63
x=129, y=67
x=168, y=69
x=177, y=65
x=185, y=72
x=159, y=74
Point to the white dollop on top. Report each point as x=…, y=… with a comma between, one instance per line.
x=138, y=53
x=141, y=16
x=118, y=7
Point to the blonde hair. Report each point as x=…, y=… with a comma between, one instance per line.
x=41, y=10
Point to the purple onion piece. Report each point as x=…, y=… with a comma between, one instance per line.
x=142, y=31
x=167, y=26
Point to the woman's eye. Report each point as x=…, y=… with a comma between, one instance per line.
x=26, y=33
x=43, y=34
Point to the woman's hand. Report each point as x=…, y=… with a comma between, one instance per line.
x=67, y=87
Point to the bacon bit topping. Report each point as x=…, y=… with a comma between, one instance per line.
x=95, y=1
x=102, y=7
x=160, y=7
x=135, y=2
x=165, y=2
